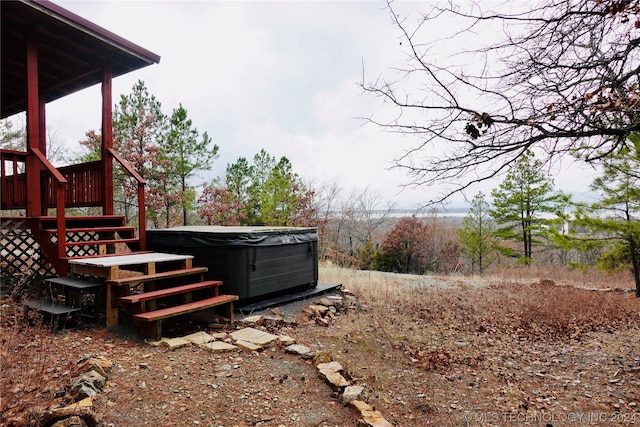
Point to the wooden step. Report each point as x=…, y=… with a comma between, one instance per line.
x=128, y=231
x=150, y=323
x=157, y=276
x=100, y=242
x=176, y=290
x=165, y=313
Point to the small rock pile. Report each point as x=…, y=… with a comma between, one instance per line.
x=90, y=381
x=334, y=374
x=324, y=311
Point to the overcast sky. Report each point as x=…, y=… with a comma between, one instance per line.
x=275, y=75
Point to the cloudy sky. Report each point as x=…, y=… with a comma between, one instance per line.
x=275, y=75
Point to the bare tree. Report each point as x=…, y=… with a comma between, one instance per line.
x=562, y=78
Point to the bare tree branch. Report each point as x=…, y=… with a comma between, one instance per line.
x=563, y=78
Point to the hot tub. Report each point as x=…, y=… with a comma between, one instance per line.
x=253, y=262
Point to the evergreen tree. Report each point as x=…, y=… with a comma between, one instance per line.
x=139, y=126
x=263, y=193
x=618, y=213
x=10, y=138
x=184, y=154
x=476, y=234
x=525, y=194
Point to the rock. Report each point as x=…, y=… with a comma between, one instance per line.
x=286, y=340
x=219, y=336
x=360, y=405
x=352, y=392
x=273, y=320
x=248, y=346
x=254, y=336
x=99, y=364
x=323, y=322
x=337, y=301
x=370, y=417
x=88, y=384
x=324, y=301
x=319, y=310
x=375, y=419
x=85, y=403
x=198, y=338
x=256, y=320
x=73, y=421
x=174, y=343
x=218, y=346
x=300, y=350
x=306, y=314
x=331, y=373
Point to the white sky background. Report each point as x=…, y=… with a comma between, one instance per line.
x=275, y=75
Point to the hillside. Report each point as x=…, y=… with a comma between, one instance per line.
x=428, y=351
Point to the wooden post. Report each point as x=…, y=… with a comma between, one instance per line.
x=107, y=141
x=42, y=145
x=34, y=199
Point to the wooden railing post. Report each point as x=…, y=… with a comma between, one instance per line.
x=142, y=212
x=61, y=184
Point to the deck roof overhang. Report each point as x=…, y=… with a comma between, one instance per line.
x=72, y=53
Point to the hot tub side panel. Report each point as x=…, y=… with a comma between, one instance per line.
x=277, y=268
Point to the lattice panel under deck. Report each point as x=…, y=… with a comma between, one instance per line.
x=20, y=253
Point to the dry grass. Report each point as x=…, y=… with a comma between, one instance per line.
x=565, y=276
x=429, y=351
x=433, y=351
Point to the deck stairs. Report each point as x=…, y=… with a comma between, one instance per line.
x=147, y=286
x=84, y=236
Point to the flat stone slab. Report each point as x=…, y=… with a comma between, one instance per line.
x=370, y=417
x=219, y=336
x=174, y=343
x=300, y=350
x=249, y=346
x=331, y=373
x=375, y=419
x=254, y=336
x=218, y=346
x=198, y=338
x=257, y=320
x=286, y=340
x=352, y=392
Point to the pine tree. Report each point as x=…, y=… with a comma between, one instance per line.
x=184, y=154
x=139, y=126
x=263, y=193
x=617, y=215
x=476, y=234
x=519, y=202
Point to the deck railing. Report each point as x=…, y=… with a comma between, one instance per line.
x=77, y=185
x=13, y=180
x=60, y=189
x=142, y=214
x=85, y=183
